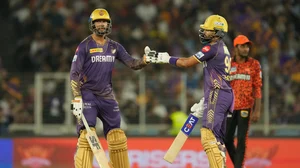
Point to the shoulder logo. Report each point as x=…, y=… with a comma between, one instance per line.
x=74, y=58
x=206, y=49
x=113, y=51
x=199, y=54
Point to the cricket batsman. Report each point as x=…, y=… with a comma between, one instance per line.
x=90, y=74
x=218, y=95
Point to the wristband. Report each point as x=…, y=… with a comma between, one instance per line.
x=173, y=60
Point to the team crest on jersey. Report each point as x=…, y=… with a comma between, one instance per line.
x=244, y=113
x=94, y=50
x=206, y=49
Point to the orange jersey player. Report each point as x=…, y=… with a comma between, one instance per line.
x=246, y=82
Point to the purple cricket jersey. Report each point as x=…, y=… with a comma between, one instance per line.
x=93, y=64
x=217, y=90
x=216, y=62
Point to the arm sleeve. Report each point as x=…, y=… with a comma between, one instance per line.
x=76, y=70
x=257, y=80
x=205, y=54
x=127, y=60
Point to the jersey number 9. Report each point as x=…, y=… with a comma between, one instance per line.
x=227, y=60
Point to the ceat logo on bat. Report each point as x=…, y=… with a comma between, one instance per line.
x=206, y=48
x=189, y=124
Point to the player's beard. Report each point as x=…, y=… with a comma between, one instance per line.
x=101, y=31
x=244, y=55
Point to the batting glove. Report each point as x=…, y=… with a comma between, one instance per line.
x=150, y=55
x=163, y=58
x=198, y=108
x=77, y=107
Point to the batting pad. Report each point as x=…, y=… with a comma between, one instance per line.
x=117, y=145
x=216, y=157
x=84, y=155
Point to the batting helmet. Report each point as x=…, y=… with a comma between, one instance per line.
x=100, y=14
x=215, y=23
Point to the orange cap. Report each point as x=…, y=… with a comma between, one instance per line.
x=241, y=39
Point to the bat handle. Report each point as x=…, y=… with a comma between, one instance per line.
x=86, y=125
x=196, y=115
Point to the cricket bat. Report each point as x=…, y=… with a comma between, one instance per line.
x=96, y=147
x=181, y=137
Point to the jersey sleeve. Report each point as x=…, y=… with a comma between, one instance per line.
x=76, y=70
x=205, y=54
x=257, y=80
x=129, y=61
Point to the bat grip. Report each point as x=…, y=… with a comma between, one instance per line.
x=86, y=125
x=196, y=115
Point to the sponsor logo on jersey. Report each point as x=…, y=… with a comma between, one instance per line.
x=87, y=105
x=199, y=54
x=94, y=50
x=74, y=58
x=102, y=58
x=206, y=48
x=240, y=76
x=116, y=109
x=233, y=69
x=113, y=51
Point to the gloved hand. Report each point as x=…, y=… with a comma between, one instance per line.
x=77, y=107
x=163, y=58
x=198, y=108
x=150, y=55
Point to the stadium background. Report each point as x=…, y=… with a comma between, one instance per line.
x=38, y=41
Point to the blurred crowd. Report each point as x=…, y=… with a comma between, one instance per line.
x=42, y=35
